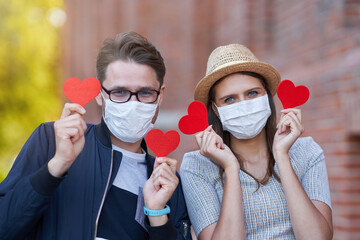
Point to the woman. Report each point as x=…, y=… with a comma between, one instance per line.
x=283, y=190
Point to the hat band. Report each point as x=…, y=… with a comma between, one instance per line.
x=227, y=65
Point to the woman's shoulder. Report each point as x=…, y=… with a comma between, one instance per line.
x=305, y=152
x=196, y=162
x=305, y=146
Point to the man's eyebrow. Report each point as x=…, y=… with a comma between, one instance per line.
x=136, y=89
x=119, y=88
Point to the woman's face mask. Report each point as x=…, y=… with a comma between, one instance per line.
x=245, y=119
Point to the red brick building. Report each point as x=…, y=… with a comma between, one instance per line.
x=313, y=42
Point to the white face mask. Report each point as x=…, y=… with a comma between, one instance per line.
x=129, y=121
x=245, y=119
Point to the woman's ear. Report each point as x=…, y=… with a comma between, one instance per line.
x=214, y=108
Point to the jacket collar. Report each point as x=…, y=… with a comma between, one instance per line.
x=103, y=134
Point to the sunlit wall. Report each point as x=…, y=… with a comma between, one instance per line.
x=29, y=71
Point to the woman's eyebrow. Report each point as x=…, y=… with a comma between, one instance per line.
x=226, y=96
x=256, y=88
x=232, y=95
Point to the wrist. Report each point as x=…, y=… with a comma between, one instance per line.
x=154, y=206
x=233, y=167
x=232, y=171
x=156, y=212
x=55, y=168
x=285, y=169
x=282, y=160
x=157, y=217
x=158, y=221
x=280, y=153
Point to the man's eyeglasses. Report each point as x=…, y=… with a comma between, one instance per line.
x=123, y=95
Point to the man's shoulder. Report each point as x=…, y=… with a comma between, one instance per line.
x=49, y=127
x=45, y=134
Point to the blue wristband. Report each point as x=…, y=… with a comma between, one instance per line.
x=156, y=213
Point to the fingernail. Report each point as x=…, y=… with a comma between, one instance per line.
x=83, y=111
x=160, y=159
x=284, y=110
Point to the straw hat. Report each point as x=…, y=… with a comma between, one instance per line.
x=229, y=59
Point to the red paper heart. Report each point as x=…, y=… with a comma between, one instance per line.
x=196, y=121
x=291, y=96
x=162, y=143
x=81, y=92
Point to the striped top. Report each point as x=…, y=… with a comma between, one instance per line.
x=265, y=211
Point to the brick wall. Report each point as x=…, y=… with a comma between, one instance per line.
x=317, y=43
x=312, y=42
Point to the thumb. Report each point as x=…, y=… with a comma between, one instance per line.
x=157, y=162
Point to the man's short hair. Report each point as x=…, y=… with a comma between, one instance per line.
x=129, y=46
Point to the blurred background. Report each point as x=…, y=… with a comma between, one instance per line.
x=312, y=42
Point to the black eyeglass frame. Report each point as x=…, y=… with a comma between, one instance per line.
x=131, y=94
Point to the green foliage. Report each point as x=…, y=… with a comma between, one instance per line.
x=29, y=84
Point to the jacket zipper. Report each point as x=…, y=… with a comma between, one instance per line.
x=185, y=230
x=103, y=198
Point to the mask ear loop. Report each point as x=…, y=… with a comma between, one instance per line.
x=158, y=100
x=104, y=102
x=217, y=113
x=102, y=95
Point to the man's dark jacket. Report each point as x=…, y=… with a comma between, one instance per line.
x=36, y=205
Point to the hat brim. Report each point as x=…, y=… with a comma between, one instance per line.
x=271, y=75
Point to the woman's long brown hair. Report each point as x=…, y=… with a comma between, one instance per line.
x=270, y=129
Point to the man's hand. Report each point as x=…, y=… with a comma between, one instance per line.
x=159, y=188
x=70, y=140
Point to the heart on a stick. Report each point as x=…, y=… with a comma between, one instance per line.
x=81, y=92
x=196, y=120
x=162, y=143
x=291, y=96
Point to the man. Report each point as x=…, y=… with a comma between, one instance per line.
x=77, y=181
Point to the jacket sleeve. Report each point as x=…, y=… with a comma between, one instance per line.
x=178, y=225
x=27, y=189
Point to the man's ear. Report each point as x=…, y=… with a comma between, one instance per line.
x=98, y=99
x=162, y=90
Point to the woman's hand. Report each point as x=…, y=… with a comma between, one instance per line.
x=212, y=146
x=288, y=130
x=230, y=224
